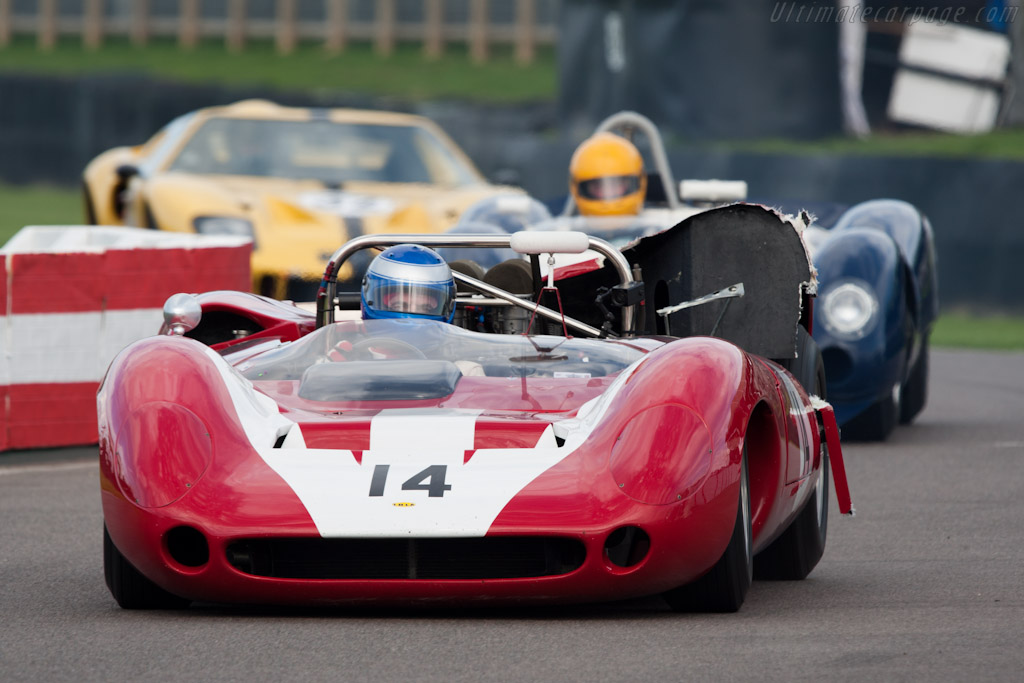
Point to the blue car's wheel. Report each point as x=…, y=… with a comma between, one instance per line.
x=130, y=588
x=874, y=424
x=914, y=393
x=725, y=586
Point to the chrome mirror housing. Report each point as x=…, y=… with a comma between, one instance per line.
x=182, y=313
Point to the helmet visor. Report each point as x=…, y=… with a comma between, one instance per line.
x=609, y=187
x=411, y=298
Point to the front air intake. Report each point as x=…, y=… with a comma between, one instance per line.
x=395, y=558
x=627, y=546
x=188, y=546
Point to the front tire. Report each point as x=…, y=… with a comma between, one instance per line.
x=129, y=587
x=725, y=586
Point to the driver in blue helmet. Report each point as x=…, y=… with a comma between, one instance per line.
x=408, y=281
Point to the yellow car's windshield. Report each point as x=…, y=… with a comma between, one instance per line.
x=323, y=150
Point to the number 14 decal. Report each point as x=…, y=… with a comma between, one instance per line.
x=430, y=480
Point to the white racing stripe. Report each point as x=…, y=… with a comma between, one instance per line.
x=414, y=480
x=433, y=429
x=347, y=203
x=259, y=415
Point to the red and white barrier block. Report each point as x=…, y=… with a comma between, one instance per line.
x=71, y=297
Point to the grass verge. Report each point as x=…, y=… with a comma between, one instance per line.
x=406, y=73
x=963, y=330
x=22, y=205
x=1005, y=144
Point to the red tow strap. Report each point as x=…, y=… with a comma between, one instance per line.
x=835, y=455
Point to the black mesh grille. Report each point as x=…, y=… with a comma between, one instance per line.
x=390, y=558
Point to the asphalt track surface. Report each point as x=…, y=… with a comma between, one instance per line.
x=925, y=583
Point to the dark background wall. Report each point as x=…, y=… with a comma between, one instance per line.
x=50, y=128
x=700, y=68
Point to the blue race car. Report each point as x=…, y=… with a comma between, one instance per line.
x=877, y=303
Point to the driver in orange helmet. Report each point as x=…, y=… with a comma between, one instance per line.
x=606, y=177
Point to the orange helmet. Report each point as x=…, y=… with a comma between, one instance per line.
x=606, y=176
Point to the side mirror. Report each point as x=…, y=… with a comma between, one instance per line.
x=126, y=172
x=182, y=313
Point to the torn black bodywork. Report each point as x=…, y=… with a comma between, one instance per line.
x=712, y=250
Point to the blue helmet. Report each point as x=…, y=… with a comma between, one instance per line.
x=408, y=281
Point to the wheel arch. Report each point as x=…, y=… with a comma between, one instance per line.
x=100, y=185
x=764, y=442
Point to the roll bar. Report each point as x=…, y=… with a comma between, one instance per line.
x=327, y=295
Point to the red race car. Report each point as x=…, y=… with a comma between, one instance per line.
x=552, y=444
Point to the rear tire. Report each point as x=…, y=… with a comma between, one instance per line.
x=725, y=586
x=129, y=587
x=793, y=555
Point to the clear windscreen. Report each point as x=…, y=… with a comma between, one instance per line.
x=474, y=353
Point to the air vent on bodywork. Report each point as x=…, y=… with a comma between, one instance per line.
x=399, y=558
x=627, y=546
x=188, y=546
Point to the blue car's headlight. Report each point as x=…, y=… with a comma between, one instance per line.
x=849, y=309
x=224, y=225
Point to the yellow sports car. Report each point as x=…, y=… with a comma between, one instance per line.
x=299, y=181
